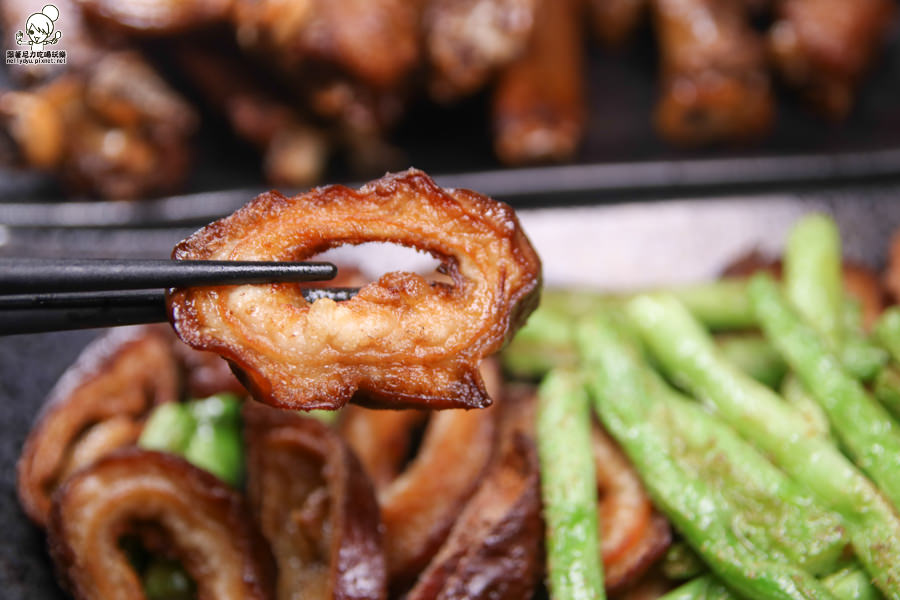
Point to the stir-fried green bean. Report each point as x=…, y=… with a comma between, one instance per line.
x=167, y=580
x=569, y=489
x=169, y=428
x=680, y=562
x=850, y=583
x=755, y=356
x=812, y=275
x=206, y=432
x=689, y=355
x=544, y=343
x=887, y=330
x=624, y=400
x=797, y=396
x=860, y=355
x=887, y=389
x=863, y=426
x=705, y=587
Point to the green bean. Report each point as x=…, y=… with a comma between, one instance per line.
x=754, y=356
x=720, y=305
x=569, y=489
x=167, y=580
x=623, y=400
x=851, y=583
x=863, y=426
x=689, y=355
x=887, y=389
x=887, y=331
x=705, y=587
x=222, y=408
x=169, y=428
x=329, y=417
x=813, y=281
x=847, y=584
x=771, y=511
x=813, y=284
x=544, y=343
x=860, y=355
x=681, y=562
x=796, y=395
x=217, y=448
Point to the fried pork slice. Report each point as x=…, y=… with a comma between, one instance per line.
x=421, y=497
x=316, y=507
x=538, y=104
x=202, y=521
x=633, y=535
x=375, y=41
x=467, y=41
x=824, y=47
x=114, y=129
x=294, y=152
x=401, y=342
x=157, y=17
x=614, y=21
x=494, y=549
x=715, y=87
x=97, y=406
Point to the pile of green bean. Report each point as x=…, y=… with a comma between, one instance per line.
x=774, y=452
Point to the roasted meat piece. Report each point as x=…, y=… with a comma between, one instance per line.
x=633, y=534
x=374, y=41
x=615, y=20
x=824, y=47
x=294, y=152
x=419, y=507
x=155, y=16
x=316, y=508
x=200, y=520
x=539, y=100
x=715, y=86
x=469, y=40
x=97, y=406
x=114, y=129
x=494, y=549
x=401, y=342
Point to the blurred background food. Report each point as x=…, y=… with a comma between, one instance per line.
x=161, y=97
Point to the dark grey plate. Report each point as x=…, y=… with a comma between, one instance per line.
x=613, y=247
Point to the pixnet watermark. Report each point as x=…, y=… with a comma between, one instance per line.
x=40, y=31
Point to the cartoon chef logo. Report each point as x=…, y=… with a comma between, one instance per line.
x=39, y=29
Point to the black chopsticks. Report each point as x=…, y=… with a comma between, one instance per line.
x=52, y=295
x=30, y=275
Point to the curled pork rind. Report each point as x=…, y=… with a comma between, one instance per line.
x=98, y=405
x=316, y=508
x=421, y=499
x=633, y=534
x=204, y=523
x=401, y=342
x=494, y=549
